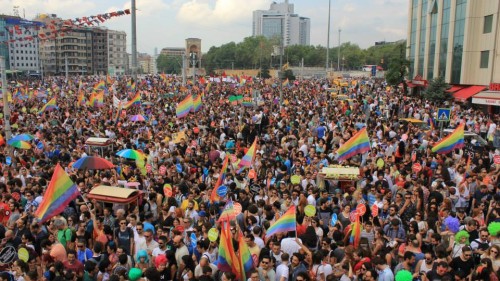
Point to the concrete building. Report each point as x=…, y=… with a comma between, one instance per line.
x=99, y=51
x=455, y=39
x=117, y=52
x=21, y=52
x=281, y=21
x=173, y=51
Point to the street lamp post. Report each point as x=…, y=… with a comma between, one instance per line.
x=338, y=57
x=328, y=37
x=281, y=74
x=193, y=64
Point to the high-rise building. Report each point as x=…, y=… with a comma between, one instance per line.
x=117, y=52
x=21, y=51
x=455, y=39
x=280, y=21
x=100, y=51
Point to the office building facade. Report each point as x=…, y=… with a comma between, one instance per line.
x=454, y=39
x=117, y=52
x=280, y=21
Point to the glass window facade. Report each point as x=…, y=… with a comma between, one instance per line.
x=432, y=42
x=488, y=24
x=413, y=36
x=421, y=45
x=485, y=58
x=445, y=30
x=458, y=42
x=272, y=27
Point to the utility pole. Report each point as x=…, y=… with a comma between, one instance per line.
x=193, y=63
x=184, y=70
x=338, y=59
x=134, y=43
x=328, y=37
x=5, y=95
x=66, y=66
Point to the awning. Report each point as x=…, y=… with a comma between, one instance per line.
x=411, y=85
x=468, y=92
x=487, y=98
x=454, y=89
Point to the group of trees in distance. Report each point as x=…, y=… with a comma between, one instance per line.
x=258, y=52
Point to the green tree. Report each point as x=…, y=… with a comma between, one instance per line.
x=288, y=74
x=264, y=72
x=436, y=91
x=169, y=64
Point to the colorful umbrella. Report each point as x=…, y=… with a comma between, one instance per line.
x=131, y=154
x=137, y=118
x=23, y=137
x=19, y=144
x=93, y=163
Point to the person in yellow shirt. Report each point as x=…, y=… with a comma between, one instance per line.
x=185, y=203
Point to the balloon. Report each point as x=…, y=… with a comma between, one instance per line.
x=222, y=190
x=361, y=208
x=374, y=210
x=193, y=240
x=167, y=190
x=251, y=174
x=310, y=210
x=213, y=234
x=334, y=218
x=196, y=130
x=295, y=179
x=23, y=254
x=380, y=163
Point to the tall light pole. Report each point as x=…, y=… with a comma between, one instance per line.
x=281, y=74
x=328, y=37
x=134, y=43
x=193, y=65
x=338, y=58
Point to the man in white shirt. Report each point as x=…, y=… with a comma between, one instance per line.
x=282, y=269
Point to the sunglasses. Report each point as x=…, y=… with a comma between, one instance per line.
x=147, y=236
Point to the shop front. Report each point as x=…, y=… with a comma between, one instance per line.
x=489, y=100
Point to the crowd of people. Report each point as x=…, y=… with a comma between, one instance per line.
x=439, y=222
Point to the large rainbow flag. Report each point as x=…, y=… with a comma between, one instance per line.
x=358, y=144
x=228, y=213
x=227, y=260
x=355, y=232
x=136, y=100
x=50, y=105
x=451, y=142
x=99, y=86
x=245, y=257
x=197, y=103
x=247, y=159
x=184, y=107
x=58, y=195
x=286, y=223
x=222, y=175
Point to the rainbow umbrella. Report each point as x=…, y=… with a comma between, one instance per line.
x=131, y=154
x=92, y=163
x=23, y=137
x=137, y=118
x=19, y=144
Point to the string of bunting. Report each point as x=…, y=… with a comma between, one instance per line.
x=58, y=27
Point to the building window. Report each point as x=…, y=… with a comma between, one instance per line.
x=488, y=24
x=485, y=57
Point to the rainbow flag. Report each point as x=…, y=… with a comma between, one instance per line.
x=222, y=175
x=50, y=105
x=184, y=107
x=245, y=259
x=109, y=80
x=355, y=233
x=81, y=97
x=286, y=82
x=431, y=123
x=59, y=193
x=451, y=142
x=197, y=103
x=247, y=159
x=248, y=102
x=286, y=223
x=99, y=86
x=96, y=99
x=136, y=100
x=227, y=260
x=131, y=85
x=228, y=212
x=163, y=77
x=2, y=140
x=359, y=143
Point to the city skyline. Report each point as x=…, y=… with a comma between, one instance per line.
x=162, y=23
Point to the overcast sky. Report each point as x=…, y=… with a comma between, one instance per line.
x=167, y=23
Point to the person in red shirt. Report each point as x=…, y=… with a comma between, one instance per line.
x=73, y=264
